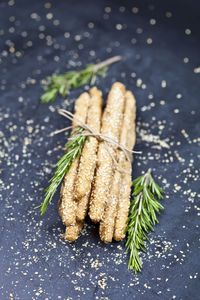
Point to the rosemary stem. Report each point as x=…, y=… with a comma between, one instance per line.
x=106, y=62
x=136, y=223
x=142, y=216
x=147, y=176
x=140, y=205
x=139, y=212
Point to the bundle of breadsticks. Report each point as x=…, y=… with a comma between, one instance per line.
x=99, y=182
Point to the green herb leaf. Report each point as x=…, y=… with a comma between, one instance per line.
x=73, y=149
x=142, y=217
x=61, y=84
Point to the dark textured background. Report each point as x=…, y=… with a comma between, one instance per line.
x=38, y=38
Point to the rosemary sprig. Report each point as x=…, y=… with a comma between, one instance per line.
x=73, y=149
x=61, y=84
x=142, y=217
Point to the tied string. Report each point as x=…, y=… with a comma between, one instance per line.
x=88, y=131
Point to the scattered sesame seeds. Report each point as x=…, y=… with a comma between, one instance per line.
x=168, y=14
x=38, y=255
x=163, y=84
x=49, y=16
x=135, y=10
x=119, y=26
x=179, y=96
x=139, y=30
x=149, y=41
x=162, y=102
x=47, y=5
x=186, y=60
x=187, y=31
x=108, y=9
x=152, y=21
x=133, y=41
x=176, y=110
x=90, y=25
x=197, y=70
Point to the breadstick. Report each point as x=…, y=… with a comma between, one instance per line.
x=86, y=166
x=123, y=205
x=124, y=195
x=67, y=206
x=111, y=124
x=107, y=223
x=106, y=228
x=89, y=155
x=72, y=231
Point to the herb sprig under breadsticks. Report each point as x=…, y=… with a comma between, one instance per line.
x=142, y=216
x=74, y=148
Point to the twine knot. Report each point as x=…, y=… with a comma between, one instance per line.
x=88, y=131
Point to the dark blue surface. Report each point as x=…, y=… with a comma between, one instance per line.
x=37, y=40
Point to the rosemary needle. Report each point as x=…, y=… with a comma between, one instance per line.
x=61, y=84
x=73, y=149
x=142, y=217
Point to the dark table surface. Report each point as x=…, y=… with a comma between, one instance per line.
x=159, y=42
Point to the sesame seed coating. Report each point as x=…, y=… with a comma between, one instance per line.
x=67, y=206
x=111, y=123
x=89, y=155
x=127, y=137
x=72, y=231
x=123, y=203
x=85, y=170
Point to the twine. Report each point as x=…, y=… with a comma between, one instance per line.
x=88, y=131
